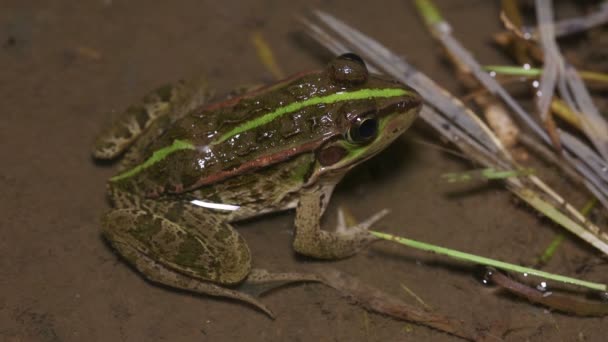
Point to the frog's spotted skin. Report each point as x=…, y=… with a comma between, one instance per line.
x=158, y=231
x=178, y=99
x=279, y=147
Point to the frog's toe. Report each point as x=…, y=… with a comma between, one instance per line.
x=347, y=239
x=347, y=225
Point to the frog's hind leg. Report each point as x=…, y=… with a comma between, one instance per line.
x=163, y=106
x=157, y=273
x=200, y=258
x=261, y=281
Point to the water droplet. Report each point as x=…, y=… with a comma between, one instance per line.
x=539, y=93
x=493, y=73
x=484, y=274
x=487, y=278
x=527, y=36
x=535, y=84
x=604, y=296
x=527, y=66
x=542, y=287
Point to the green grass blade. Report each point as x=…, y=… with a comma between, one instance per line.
x=488, y=262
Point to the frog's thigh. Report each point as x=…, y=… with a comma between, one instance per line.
x=202, y=250
x=170, y=101
x=311, y=240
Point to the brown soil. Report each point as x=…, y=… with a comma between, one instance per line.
x=66, y=65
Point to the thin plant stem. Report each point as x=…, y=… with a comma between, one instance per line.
x=535, y=72
x=488, y=262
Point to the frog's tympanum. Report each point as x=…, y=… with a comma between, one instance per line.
x=192, y=166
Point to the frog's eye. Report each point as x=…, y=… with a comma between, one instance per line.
x=362, y=130
x=348, y=68
x=349, y=56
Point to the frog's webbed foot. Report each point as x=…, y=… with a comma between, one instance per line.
x=345, y=241
x=348, y=225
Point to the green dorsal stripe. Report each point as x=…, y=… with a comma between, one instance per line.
x=295, y=106
x=155, y=158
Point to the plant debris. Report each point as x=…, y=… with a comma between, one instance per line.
x=559, y=302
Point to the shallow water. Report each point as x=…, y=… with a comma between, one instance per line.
x=67, y=65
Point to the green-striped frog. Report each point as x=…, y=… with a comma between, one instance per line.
x=191, y=167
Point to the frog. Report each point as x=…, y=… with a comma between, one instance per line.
x=191, y=165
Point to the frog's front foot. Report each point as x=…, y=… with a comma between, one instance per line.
x=345, y=241
x=347, y=224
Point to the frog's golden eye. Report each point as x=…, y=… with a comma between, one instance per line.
x=348, y=69
x=362, y=130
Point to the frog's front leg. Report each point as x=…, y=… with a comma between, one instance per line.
x=311, y=240
x=187, y=251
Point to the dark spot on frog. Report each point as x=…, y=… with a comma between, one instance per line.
x=302, y=91
x=175, y=212
x=322, y=200
x=264, y=135
x=244, y=109
x=146, y=226
x=164, y=93
x=168, y=238
x=141, y=115
x=268, y=188
x=155, y=192
x=289, y=126
x=222, y=235
x=189, y=253
x=255, y=194
x=246, y=143
x=123, y=132
x=177, y=187
x=108, y=145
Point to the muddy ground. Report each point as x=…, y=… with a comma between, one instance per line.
x=66, y=66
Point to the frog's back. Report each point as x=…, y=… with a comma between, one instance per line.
x=229, y=138
x=266, y=127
